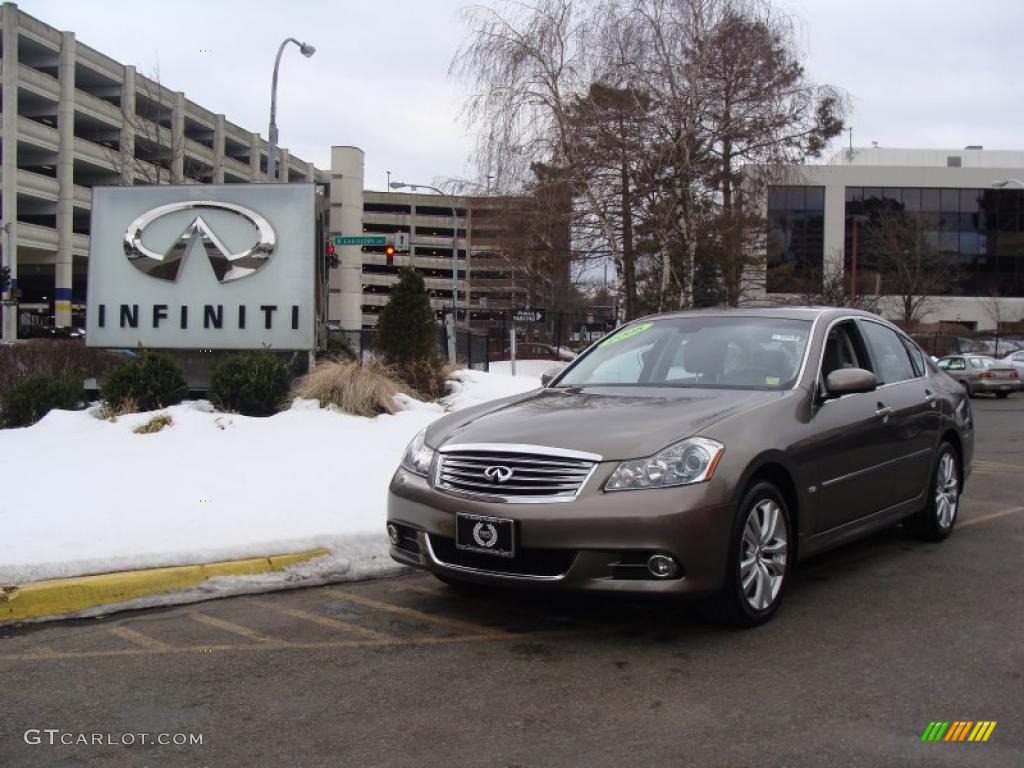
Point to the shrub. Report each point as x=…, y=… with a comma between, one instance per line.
x=51, y=359
x=152, y=380
x=427, y=377
x=155, y=424
x=35, y=396
x=110, y=413
x=362, y=390
x=250, y=383
x=406, y=329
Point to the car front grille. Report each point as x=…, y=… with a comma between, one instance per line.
x=512, y=475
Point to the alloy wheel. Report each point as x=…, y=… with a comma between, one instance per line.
x=947, y=491
x=763, y=551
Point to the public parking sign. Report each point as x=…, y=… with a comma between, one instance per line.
x=528, y=315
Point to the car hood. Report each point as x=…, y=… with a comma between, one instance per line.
x=615, y=422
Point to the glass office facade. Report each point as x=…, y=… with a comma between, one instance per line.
x=796, y=238
x=979, y=233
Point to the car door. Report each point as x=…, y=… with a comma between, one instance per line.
x=912, y=419
x=847, y=451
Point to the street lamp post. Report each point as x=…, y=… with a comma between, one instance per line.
x=455, y=261
x=307, y=50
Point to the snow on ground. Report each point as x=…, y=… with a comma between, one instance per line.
x=81, y=495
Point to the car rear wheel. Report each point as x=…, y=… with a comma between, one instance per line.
x=935, y=522
x=759, y=559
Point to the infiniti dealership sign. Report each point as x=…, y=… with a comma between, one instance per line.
x=228, y=266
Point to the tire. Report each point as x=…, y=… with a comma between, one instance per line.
x=1002, y=395
x=935, y=522
x=761, y=555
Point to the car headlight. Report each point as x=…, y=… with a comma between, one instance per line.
x=418, y=455
x=688, y=461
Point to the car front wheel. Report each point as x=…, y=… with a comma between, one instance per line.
x=935, y=522
x=759, y=559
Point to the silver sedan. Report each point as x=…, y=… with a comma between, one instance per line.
x=978, y=373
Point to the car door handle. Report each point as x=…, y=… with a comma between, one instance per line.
x=884, y=413
x=929, y=398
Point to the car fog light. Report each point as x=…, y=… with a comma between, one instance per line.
x=393, y=534
x=662, y=566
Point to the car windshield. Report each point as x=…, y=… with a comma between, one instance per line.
x=696, y=351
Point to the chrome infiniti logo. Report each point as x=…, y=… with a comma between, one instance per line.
x=226, y=265
x=498, y=474
x=485, y=534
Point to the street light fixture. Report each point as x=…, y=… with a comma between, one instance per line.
x=306, y=50
x=1007, y=182
x=455, y=261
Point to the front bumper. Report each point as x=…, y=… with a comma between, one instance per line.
x=599, y=542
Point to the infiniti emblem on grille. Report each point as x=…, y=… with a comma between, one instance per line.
x=498, y=474
x=485, y=534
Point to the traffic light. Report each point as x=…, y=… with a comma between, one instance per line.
x=333, y=262
x=389, y=251
x=5, y=279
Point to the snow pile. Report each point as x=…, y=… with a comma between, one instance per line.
x=82, y=495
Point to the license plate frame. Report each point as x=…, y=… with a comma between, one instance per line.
x=473, y=532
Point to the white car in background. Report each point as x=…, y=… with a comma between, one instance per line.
x=1016, y=359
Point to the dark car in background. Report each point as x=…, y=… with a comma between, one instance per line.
x=692, y=454
x=982, y=374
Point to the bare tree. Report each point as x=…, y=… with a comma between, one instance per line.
x=155, y=150
x=667, y=118
x=898, y=249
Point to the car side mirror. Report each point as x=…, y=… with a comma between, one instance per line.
x=848, y=381
x=548, y=376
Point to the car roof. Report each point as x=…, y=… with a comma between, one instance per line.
x=780, y=313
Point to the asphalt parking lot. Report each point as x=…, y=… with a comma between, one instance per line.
x=874, y=642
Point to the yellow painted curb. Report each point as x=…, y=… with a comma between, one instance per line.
x=60, y=596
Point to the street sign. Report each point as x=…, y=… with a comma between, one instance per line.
x=360, y=239
x=528, y=315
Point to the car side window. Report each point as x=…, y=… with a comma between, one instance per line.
x=916, y=356
x=955, y=364
x=840, y=351
x=892, y=362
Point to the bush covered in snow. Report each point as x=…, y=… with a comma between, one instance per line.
x=250, y=383
x=150, y=381
x=35, y=396
x=155, y=424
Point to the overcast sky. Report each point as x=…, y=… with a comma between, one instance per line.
x=921, y=73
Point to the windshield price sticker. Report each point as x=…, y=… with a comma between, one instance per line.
x=626, y=333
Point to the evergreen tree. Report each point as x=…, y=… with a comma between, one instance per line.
x=407, y=330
